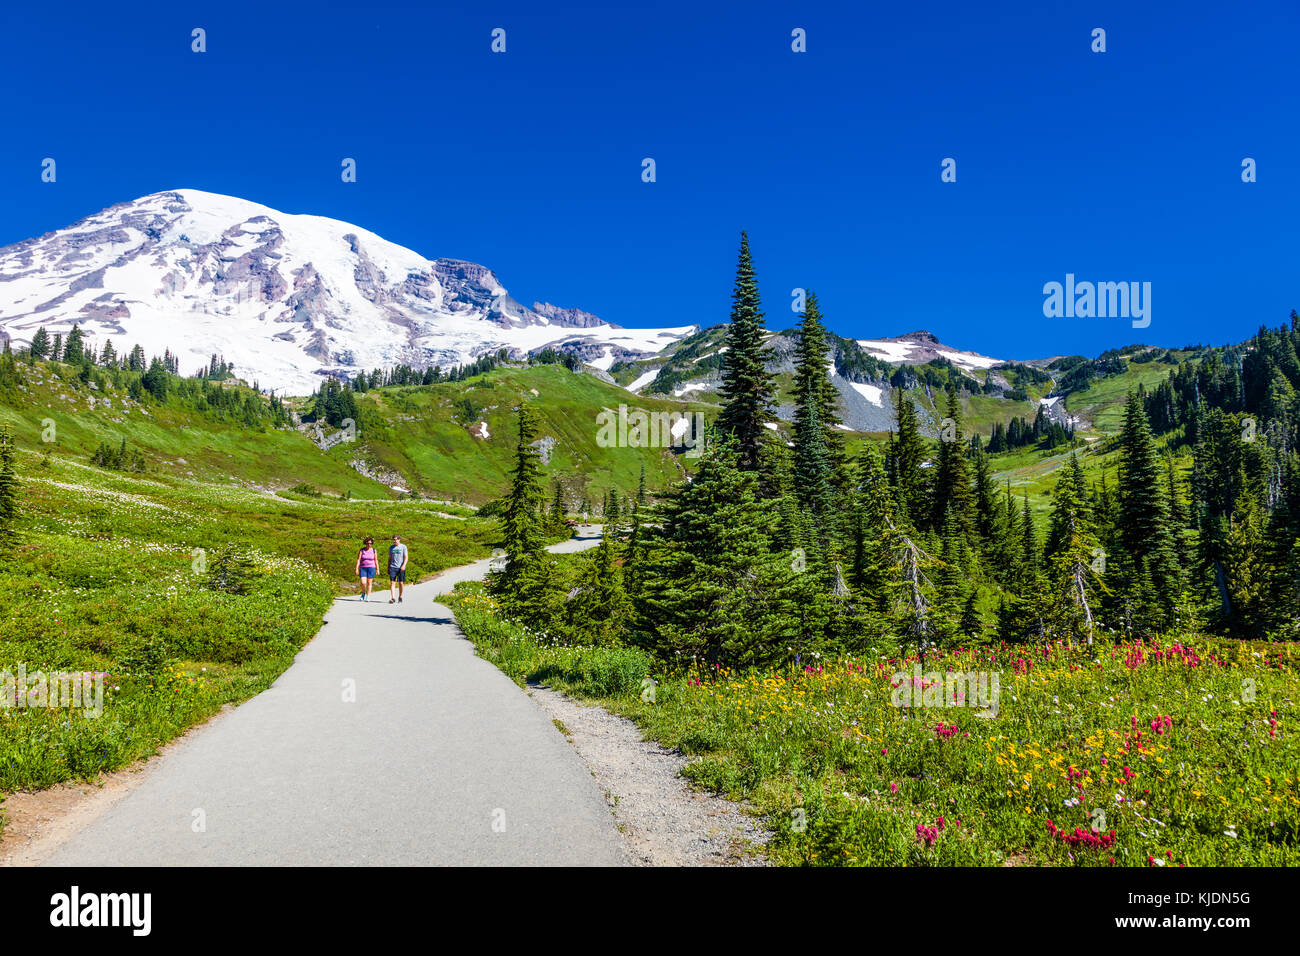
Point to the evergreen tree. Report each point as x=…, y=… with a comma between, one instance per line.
x=8, y=492
x=747, y=388
x=952, y=480
x=635, y=557
x=813, y=388
x=1069, y=552
x=521, y=532
x=612, y=516
x=41, y=344
x=558, y=522
x=600, y=608
x=713, y=587
x=1029, y=545
x=1145, y=534
x=950, y=578
x=906, y=456
x=812, y=467
x=875, y=520
x=155, y=381
x=72, y=348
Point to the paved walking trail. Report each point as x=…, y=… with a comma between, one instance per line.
x=441, y=759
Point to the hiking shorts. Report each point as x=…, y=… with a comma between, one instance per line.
x=397, y=574
x=366, y=572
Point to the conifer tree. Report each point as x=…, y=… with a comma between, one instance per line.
x=155, y=381
x=1029, y=545
x=813, y=388
x=600, y=608
x=521, y=534
x=558, y=522
x=1143, y=524
x=41, y=344
x=747, y=388
x=713, y=586
x=873, y=528
x=952, y=481
x=970, y=627
x=812, y=466
x=635, y=556
x=1069, y=552
x=611, y=511
x=984, y=497
x=72, y=348
x=8, y=491
x=906, y=456
x=950, y=578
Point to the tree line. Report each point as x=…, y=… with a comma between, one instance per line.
x=776, y=550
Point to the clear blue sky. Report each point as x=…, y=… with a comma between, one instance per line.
x=1117, y=166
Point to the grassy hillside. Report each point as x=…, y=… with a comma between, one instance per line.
x=433, y=435
x=1100, y=406
x=52, y=402
x=423, y=438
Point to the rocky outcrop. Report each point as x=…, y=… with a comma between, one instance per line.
x=572, y=318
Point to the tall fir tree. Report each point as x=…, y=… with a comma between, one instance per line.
x=41, y=344
x=522, y=536
x=813, y=387
x=905, y=460
x=747, y=388
x=73, y=346
x=1151, y=574
x=812, y=466
x=1069, y=553
x=952, y=477
x=8, y=492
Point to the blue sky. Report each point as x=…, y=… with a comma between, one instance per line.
x=1115, y=166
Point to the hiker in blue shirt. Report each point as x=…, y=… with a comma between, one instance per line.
x=397, y=555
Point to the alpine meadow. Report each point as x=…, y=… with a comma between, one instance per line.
x=710, y=437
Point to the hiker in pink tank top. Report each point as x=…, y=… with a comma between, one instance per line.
x=367, y=567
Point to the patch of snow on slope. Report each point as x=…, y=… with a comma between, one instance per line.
x=871, y=393
x=643, y=380
x=890, y=351
x=963, y=360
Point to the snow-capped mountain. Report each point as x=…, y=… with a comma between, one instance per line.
x=917, y=348
x=285, y=298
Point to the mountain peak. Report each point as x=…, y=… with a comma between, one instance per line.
x=921, y=336
x=919, y=347
x=286, y=298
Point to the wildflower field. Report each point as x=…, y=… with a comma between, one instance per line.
x=1123, y=754
x=112, y=575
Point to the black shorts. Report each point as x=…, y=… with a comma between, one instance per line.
x=397, y=574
